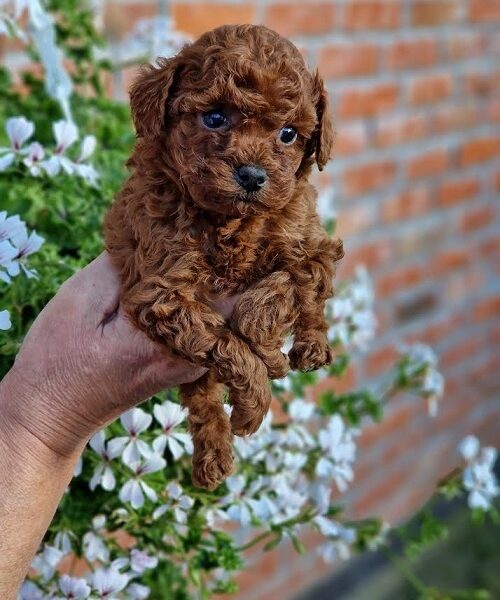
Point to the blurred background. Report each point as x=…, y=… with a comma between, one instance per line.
x=414, y=188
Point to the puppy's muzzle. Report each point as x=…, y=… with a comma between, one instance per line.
x=251, y=177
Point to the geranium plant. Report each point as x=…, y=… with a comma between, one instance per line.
x=131, y=521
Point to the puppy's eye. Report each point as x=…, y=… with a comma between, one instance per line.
x=215, y=119
x=288, y=134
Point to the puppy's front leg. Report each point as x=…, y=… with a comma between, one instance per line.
x=314, y=277
x=168, y=310
x=263, y=316
x=210, y=429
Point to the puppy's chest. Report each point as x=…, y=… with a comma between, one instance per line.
x=234, y=261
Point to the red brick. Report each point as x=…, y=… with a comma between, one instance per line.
x=431, y=88
x=399, y=279
x=367, y=177
x=484, y=11
x=398, y=130
x=372, y=14
x=120, y=19
x=367, y=102
x=488, y=308
x=428, y=164
x=408, y=204
x=493, y=110
x=198, y=17
x=465, y=45
x=348, y=59
x=461, y=353
x=477, y=218
x=380, y=490
x=450, y=260
x=350, y=138
x=482, y=84
x=496, y=181
x=459, y=285
x=434, y=12
x=425, y=238
x=437, y=332
x=410, y=54
x=371, y=255
x=398, y=417
x=354, y=219
x=489, y=249
x=342, y=385
x=479, y=150
x=456, y=117
x=297, y=18
x=451, y=192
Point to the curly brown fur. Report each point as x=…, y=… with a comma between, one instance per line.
x=183, y=230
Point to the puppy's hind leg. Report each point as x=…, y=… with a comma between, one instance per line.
x=211, y=431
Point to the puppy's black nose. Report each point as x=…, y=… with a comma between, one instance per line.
x=250, y=177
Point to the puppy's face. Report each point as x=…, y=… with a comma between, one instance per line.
x=237, y=118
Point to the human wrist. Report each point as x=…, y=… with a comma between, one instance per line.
x=31, y=417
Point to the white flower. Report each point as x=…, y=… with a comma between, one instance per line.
x=94, y=547
x=140, y=561
x=73, y=587
x=25, y=245
x=300, y=410
x=351, y=312
x=88, y=147
x=240, y=503
x=19, y=129
x=8, y=255
x=134, y=489
x=170, y=415
x=10, y=227
x=30, y=591
x=478, y=476
x=324, y=203
x=134, y=421
x=5, y=320
x=34, y=157
x=320, y=495
x=179, y=503
x=107, y=582
x=419, y=366
x=66, y=134
x=6, y=160
x=86, y=172
x=45, y=562
x=333, y=550
x=340, y=540
x=136, y=591
x=469, y=447
x=62, y=541
x=339, y=452
x=103, y=474
x=78, y=467
x=290, y=497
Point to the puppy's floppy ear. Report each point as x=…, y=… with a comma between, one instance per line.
x=323, y=135
x=149, y=94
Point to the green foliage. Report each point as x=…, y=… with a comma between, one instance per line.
x=352, y=406
x=64, y=210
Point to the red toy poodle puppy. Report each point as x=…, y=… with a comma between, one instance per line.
x=219, y=203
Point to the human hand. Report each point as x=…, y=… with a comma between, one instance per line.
x=83, y=363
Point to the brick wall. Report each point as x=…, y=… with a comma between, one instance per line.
x=415, y=87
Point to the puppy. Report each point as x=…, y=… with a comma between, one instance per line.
x=218, y=203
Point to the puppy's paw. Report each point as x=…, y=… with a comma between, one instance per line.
x=309, y=354
x=212, y=467
x=248, y=413
x=277, y=364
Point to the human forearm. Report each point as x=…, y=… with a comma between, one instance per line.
x=33, y=478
